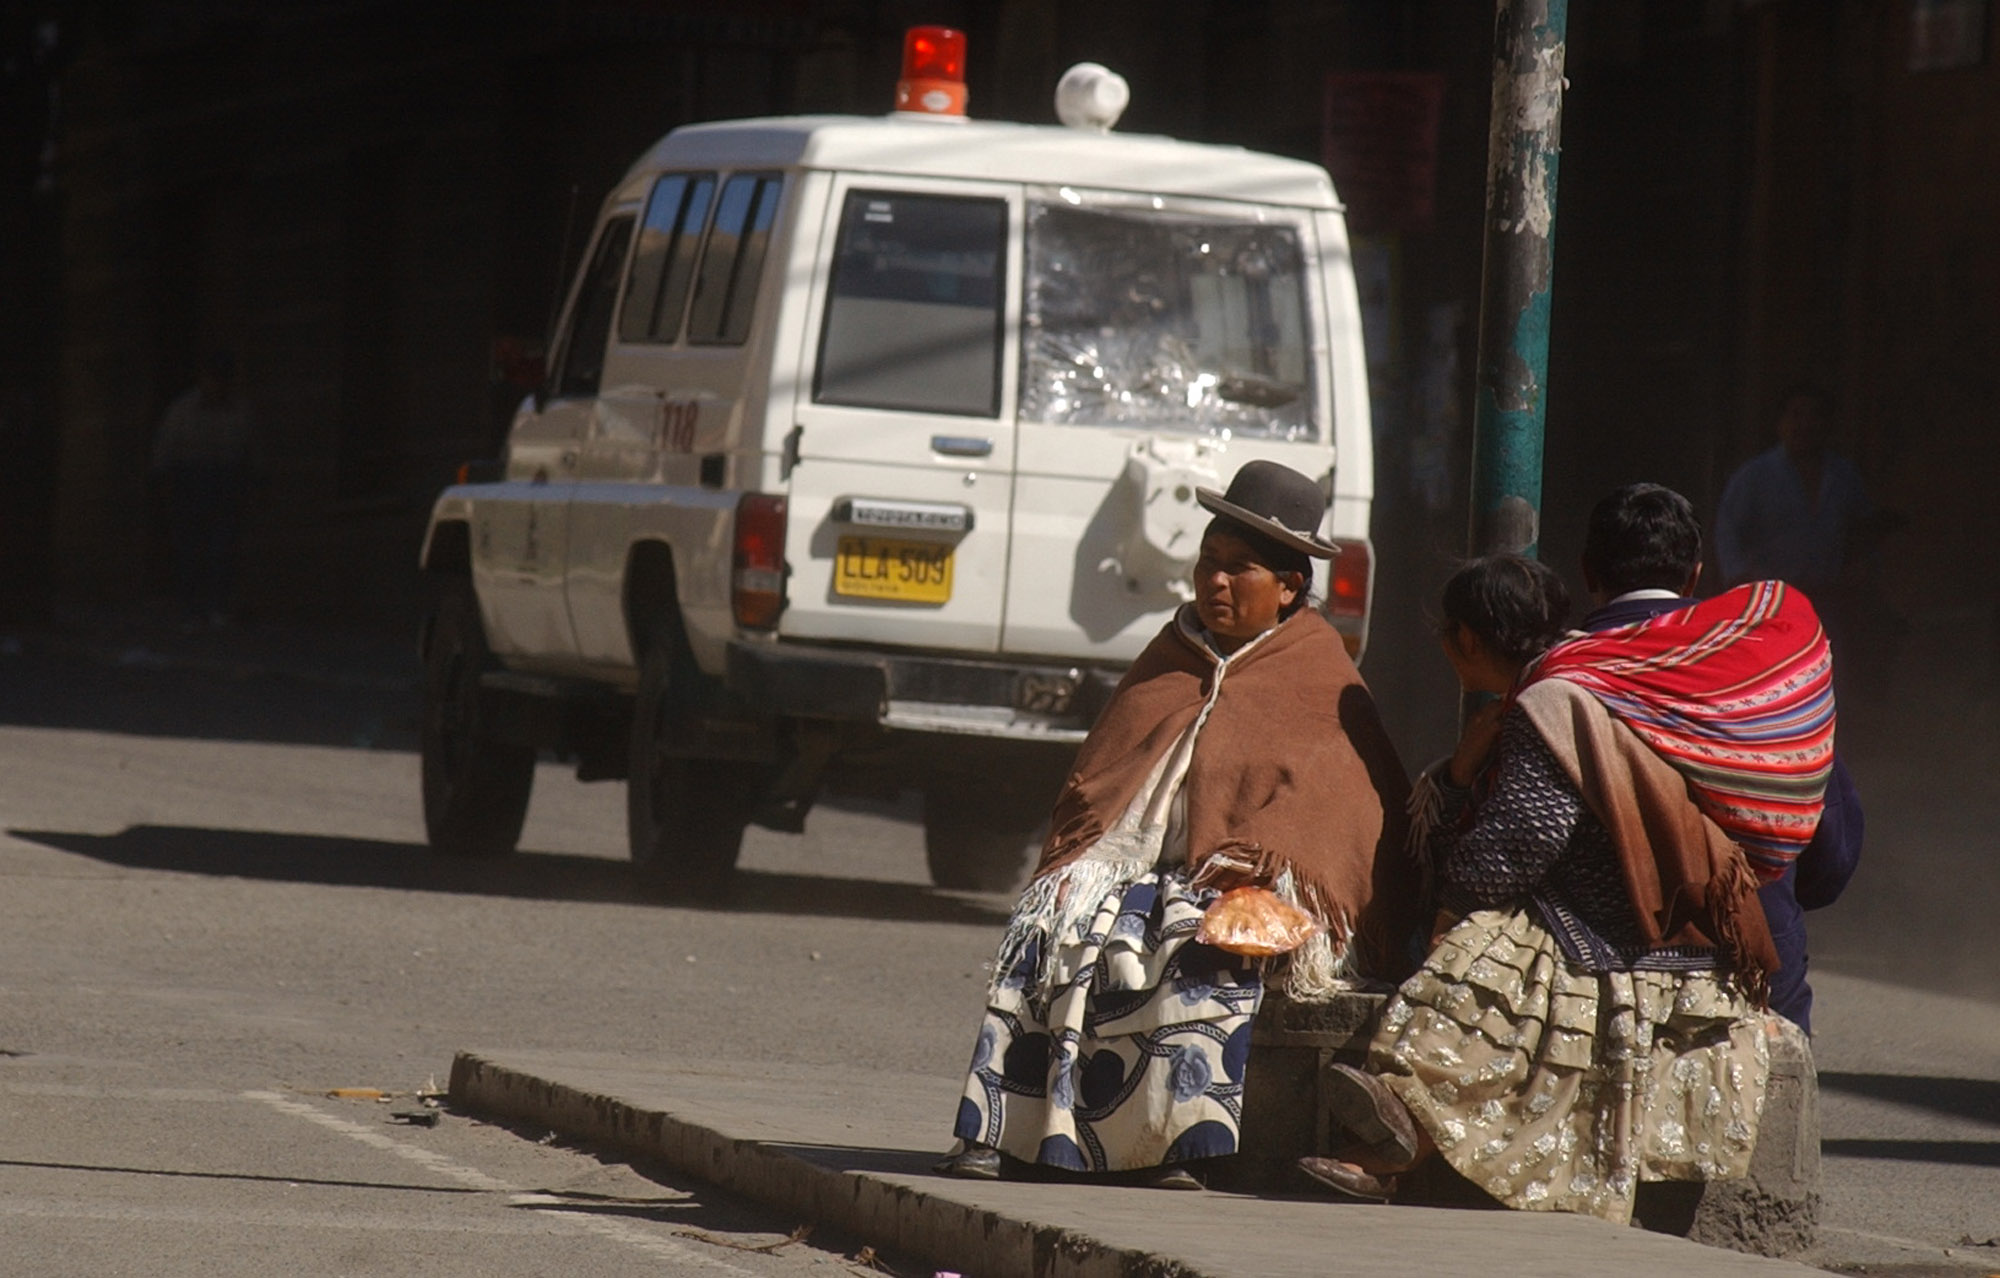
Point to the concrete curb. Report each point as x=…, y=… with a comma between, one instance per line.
x=893, y=1217
x=854, y=1153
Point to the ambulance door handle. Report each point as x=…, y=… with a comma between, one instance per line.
x=788, y=459
x=962, y=445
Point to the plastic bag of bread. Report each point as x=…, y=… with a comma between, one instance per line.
x=1255, y=921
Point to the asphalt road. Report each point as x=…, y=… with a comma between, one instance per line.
x=200, y=937
x=218, y=910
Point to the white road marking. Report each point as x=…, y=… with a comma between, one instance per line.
x=92, y=1091
x=427, y=1159
x=604, y=1227
x=279, y=1218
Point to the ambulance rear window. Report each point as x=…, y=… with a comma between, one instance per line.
x=1165, y=318
x=913, y=313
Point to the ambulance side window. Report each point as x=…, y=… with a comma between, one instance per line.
x=913, y=313
x=590, y=326
x=726, y=292
x=663, y=265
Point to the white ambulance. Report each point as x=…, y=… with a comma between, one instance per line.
x=866, y=461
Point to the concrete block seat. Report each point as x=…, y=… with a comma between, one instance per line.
x=1770, y=1212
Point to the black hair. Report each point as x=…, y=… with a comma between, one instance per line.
x=1517, y=606
x=1642, y=537
x=1271, y=553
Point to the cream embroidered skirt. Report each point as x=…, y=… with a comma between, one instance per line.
x=1557, y=1089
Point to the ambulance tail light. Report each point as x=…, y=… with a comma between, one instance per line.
x=1349, y=587
x=757, y=586
x=487, y=470
x=933, y=80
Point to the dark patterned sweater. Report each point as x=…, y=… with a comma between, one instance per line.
x=1532, y=839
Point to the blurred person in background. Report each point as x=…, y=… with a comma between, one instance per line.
x=201, y=455
x=1799, y=513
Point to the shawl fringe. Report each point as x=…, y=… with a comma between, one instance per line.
x=1426, y=815
x=1082, y=826
x=1058, y=906
x=1734, y=883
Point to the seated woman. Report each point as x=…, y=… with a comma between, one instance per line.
x=1241, y=748
x=1588, y=1016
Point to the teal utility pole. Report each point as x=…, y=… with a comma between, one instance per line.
x=1523, y=147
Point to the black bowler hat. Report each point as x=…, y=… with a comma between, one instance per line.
x=1274, y=501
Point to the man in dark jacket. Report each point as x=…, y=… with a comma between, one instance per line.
x=1642, y=558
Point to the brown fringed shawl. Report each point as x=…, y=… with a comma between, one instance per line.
x=1689, y=884
x=1292, y=770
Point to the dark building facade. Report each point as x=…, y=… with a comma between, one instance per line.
x=373, y=204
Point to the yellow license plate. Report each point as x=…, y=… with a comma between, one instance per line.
x=884, y=568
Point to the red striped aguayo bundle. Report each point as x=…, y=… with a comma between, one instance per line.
x=1737, y=693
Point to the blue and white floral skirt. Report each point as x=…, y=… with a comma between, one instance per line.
x=1120, y=1048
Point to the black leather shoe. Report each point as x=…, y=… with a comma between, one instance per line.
x=1172, y=1178
x=1348, y=1181
x=1365, y=1106
x=974, y=1162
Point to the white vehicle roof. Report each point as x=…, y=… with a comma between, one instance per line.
x=991, y=150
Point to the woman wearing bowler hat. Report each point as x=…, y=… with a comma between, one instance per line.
x=1241, y=748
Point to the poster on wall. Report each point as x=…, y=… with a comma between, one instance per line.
x=1379, y=139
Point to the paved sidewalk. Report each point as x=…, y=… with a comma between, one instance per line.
x=854, y=1152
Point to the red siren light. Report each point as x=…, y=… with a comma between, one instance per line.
x=933, y=80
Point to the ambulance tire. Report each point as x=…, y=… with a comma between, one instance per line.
x=979, y=841
x=684, y=818
x=475, y=785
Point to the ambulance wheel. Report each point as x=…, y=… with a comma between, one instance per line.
x=976, y=840
x=684, y=818
x=475, y=785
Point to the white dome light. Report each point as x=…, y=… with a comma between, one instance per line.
x=1091, y=97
